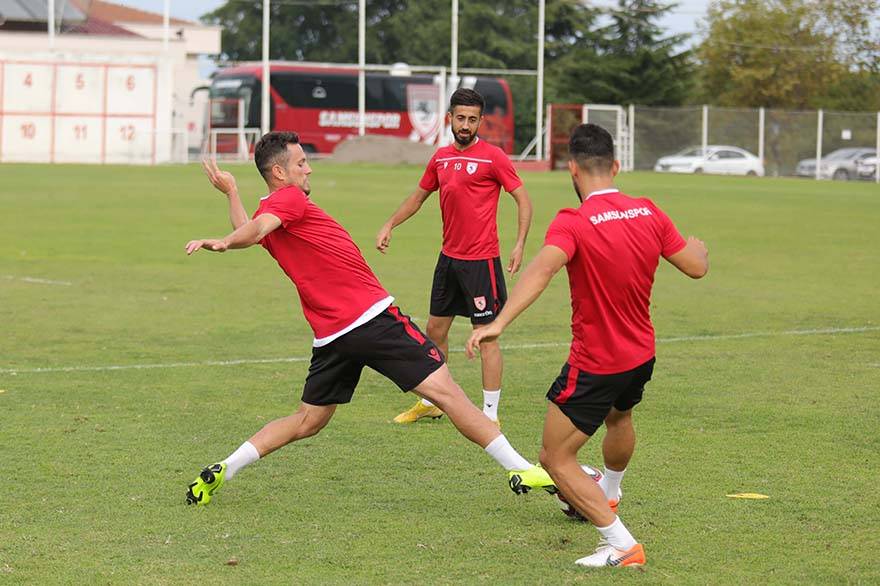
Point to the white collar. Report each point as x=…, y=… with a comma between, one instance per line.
x=602, y=192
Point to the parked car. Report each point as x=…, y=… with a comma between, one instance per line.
x=867, y=168
x=721, y=159
x=839, y=165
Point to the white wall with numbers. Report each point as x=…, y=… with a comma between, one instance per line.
x=84, y=109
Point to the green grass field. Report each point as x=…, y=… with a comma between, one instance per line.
x=115, y=388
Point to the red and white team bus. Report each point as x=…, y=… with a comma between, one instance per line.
x=321, y=105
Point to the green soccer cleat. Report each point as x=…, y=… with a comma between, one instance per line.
x=209, y=480
x=523, y=481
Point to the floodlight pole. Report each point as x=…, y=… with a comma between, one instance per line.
x=453, y=72
x=539, y=107
x=51, y=23
x=362, y=76
x=265, y=117
x=166, y=21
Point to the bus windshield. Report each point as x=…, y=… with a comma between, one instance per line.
x=227, y=94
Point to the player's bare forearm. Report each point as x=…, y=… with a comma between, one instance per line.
x=531, y=284
x=408, y=208
x=252, y=231
x=523, y=214
x=238, y=216
x=693, y=259
x=534, y=279
x=224, y=182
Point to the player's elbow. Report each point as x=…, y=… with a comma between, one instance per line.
x=698, y=271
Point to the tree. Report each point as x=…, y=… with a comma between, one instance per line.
x=786, y=53
x=630, y=62
x=492, y=34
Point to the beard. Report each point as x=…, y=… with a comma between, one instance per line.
x=464, y=140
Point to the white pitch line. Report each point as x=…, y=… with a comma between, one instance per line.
x=528, y=346
x=36, y=280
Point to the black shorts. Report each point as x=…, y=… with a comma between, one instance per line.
x=389, y=343
x=587, y=398
x=472, y=288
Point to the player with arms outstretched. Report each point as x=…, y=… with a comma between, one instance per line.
x=354, y=320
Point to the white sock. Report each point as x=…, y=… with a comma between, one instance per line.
x=617, y=535
x=610, y=482
x=490, y=403
x=500, y=449
x=244, y=455
x=427, y=403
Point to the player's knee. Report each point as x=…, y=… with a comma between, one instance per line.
x=549, y=459
x=438, y=334
x=313, y=423
x=618, y=419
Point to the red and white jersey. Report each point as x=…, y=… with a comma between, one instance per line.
x=336, y=287
x=614, y=243
x=469, y=183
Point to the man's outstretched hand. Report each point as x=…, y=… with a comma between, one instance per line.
x=209, y=244
x=488, y=333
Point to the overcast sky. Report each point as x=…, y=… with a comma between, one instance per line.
x=683, y=19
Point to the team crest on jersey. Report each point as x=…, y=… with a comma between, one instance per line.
x=471, y=168
x=480, y=303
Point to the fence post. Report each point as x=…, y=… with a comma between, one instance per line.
x=819, y=121
x=761, y=137
x=632, y=137
x=877, y=153
x=548, y=132
x=705, y=128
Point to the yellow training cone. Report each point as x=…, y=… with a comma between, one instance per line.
x=748, y=495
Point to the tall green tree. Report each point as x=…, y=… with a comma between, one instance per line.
x=631, y=61
x=789, y=53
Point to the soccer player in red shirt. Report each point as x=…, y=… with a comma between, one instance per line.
x=611, y=246
x=353, y=318
x=468, y=279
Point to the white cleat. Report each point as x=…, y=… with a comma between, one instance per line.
x=615, y=558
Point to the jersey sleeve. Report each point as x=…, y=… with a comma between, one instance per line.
x=561, y=234
x=506, y=173
x=430, y=181
x=671, y=240
x=287, y=204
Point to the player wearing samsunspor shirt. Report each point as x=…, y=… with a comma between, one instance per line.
x=353, y=318
x=611, y=246
x=468, y=279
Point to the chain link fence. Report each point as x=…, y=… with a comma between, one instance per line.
x=770, y=142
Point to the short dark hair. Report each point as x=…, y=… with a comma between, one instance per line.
x=466, y=97
x=592, y=148
x=272, y=149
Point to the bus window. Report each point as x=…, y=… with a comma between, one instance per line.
x=307, y=90
x=395, y=90
x=225, y=91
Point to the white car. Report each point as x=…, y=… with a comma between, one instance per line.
x=720, y=159
x=867, y=168
x=839, y=165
